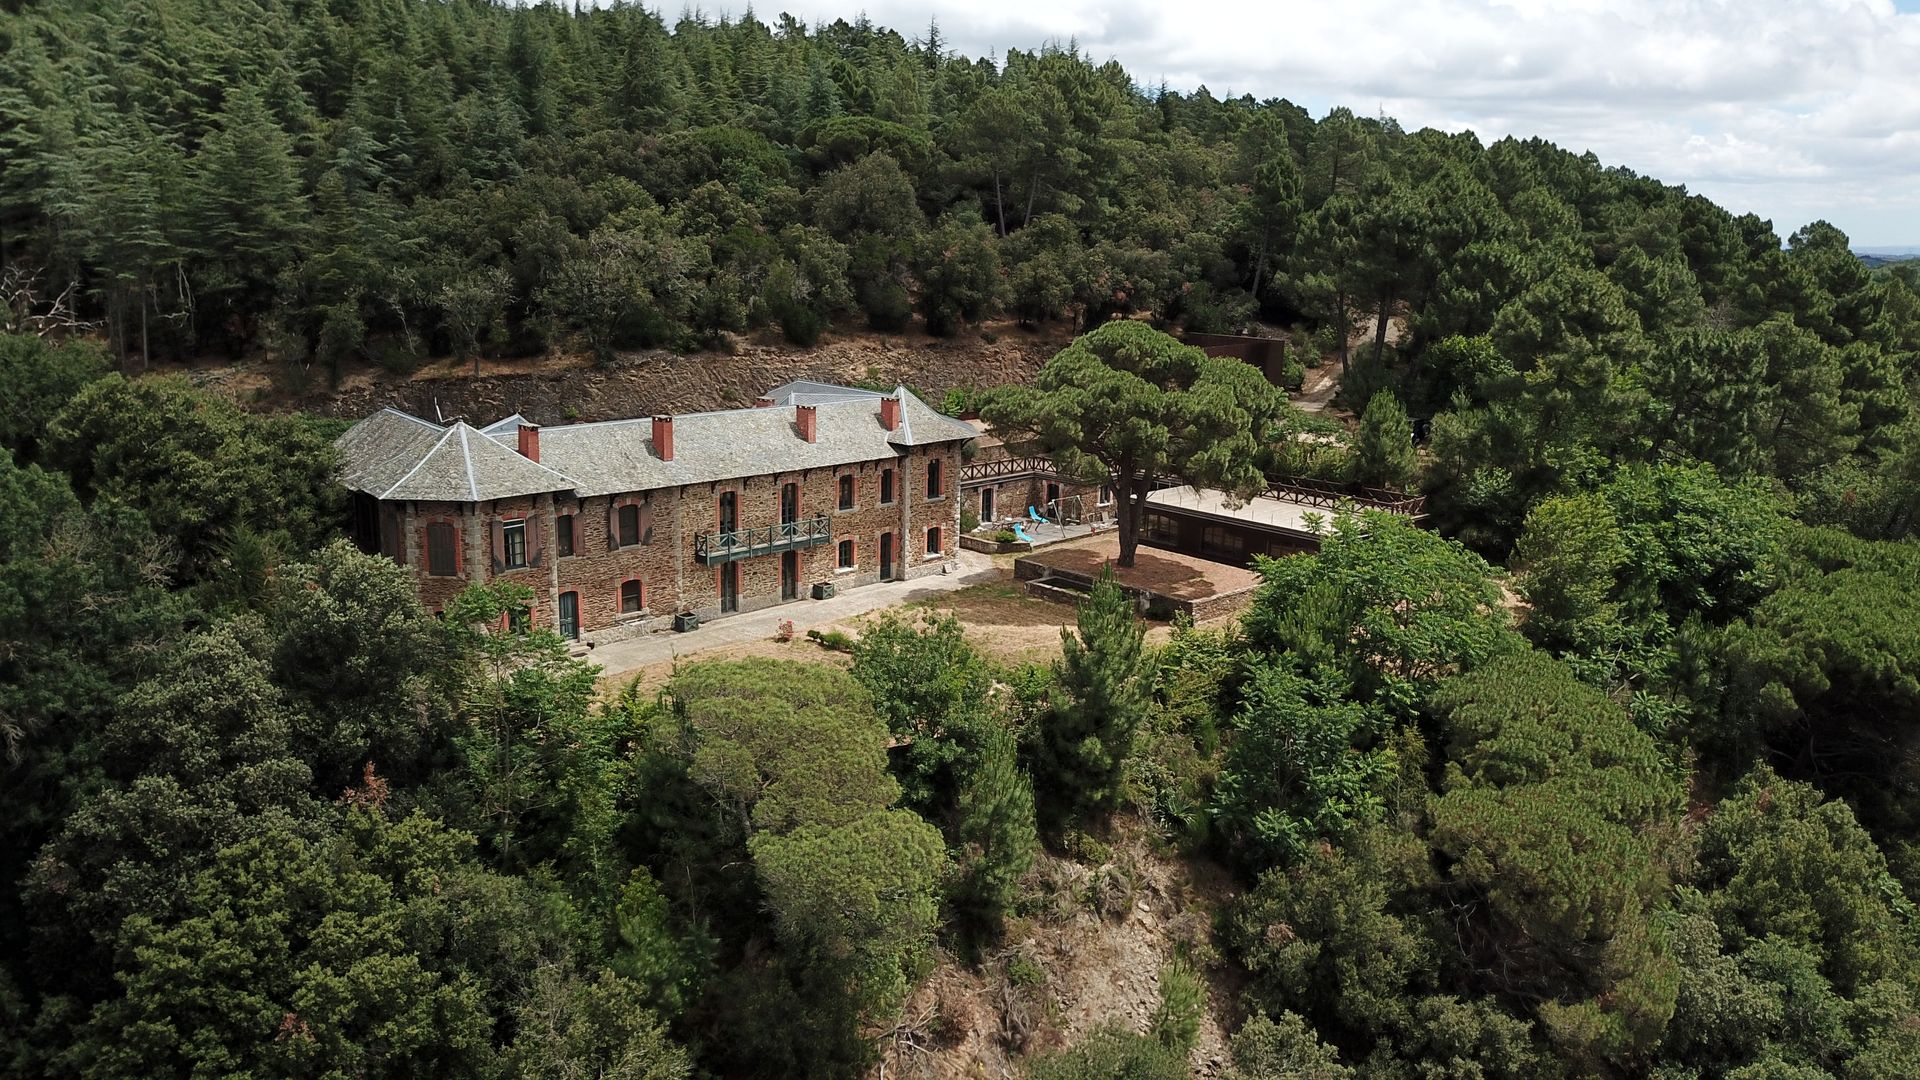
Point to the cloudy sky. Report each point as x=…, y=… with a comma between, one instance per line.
x=1792, y=109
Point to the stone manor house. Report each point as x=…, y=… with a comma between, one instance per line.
x=619, y=526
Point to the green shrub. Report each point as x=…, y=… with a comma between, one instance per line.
x=1025, y=971
x=836, y=640
x=1176, y=1021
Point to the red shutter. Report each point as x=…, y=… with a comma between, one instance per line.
x=613, y=524
x=573, y=522
x=536, y=539
x=646, y=524
x=459, y=550
x=499, y=546
x=426, y=553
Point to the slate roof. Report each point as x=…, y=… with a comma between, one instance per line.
x=393, y=455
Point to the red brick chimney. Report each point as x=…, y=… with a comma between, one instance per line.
x=530, y=441
x=763, y=403
x=808, y=419
x=663, y=437
x=890, y=413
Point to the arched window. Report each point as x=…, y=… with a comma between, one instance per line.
x=631, y=597
x=846, y=492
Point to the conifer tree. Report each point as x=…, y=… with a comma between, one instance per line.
x=1102, y=698
x=1383, y=449
x=996, y=827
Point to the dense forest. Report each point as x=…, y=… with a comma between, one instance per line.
x=1615, y=772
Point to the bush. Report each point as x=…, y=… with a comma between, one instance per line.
x=836, y=640
x=887, y=305
x=1176, y=1021
x=1113, y=1054
x=1024, y=971
x=969, y=519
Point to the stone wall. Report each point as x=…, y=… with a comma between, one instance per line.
x=672, y=578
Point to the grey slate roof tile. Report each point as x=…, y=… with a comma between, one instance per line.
x=392, y=455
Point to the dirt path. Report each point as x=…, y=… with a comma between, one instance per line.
x=1322, y=383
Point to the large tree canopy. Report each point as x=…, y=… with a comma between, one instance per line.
x=1126, y=405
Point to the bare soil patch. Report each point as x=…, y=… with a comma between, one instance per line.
x=1086, y=951
x=562, y=388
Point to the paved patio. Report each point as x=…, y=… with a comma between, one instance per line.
x=623, y=656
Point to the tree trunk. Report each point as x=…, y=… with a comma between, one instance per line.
x=1259, y=268
x=1126, y=490
x=1380, y=328
x=999, y=205
x=1345, y=318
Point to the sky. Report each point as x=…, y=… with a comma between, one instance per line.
x=1795, y=110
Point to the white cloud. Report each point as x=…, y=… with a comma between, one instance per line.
x=1791, y=109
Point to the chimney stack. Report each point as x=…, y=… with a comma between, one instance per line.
x=530, y=441
x=663, y=437
x=890, y=413
x=763, y=403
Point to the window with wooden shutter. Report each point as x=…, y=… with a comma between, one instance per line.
x=563, y=535
x=513, y=544
x=886, y=487
x=440, y=550
x=846, y=492
x=629, y=525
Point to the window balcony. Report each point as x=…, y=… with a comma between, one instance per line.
x=714, y=548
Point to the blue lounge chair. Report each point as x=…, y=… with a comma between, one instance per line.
x=1020, y=533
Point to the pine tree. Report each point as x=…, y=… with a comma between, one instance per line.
x=996, y=827
x=1102, y=698
x=1383, y=448
x=246, y=201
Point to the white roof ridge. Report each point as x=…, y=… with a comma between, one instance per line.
x=466, y=455
x=445, y=434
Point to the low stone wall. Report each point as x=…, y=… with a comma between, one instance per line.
x=1066, y=586
x=1221, y=605
x=992, y=547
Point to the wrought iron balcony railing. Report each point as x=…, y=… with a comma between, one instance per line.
x=713, y=548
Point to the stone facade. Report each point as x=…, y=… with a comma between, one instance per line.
x=672, y=578
x=998, y=486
